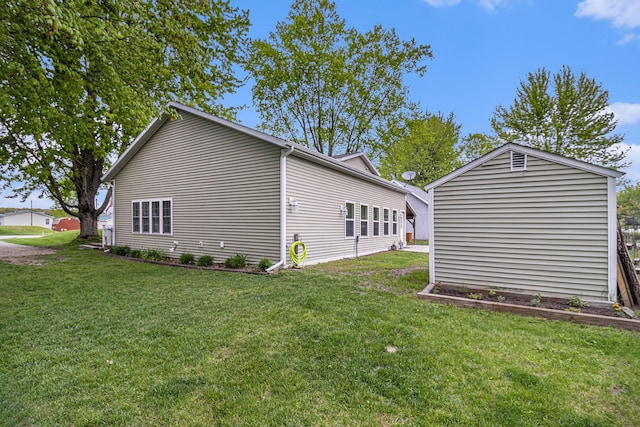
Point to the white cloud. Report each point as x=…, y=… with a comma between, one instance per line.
x=628, y=38
x=491, y=4
x=625, y=112
x=623, y=13
x=441, y=3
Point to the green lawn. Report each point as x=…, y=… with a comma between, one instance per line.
x=26, y=230
x=91, y=340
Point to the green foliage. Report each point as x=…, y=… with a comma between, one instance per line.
x=79, y=80
x=328, y=86
x=264, y=264
x=135, y=253
x=492, y=293
x=563, y=114
x=476, y=296
x=120, y=250
x=153, y=254
x=535, y=302
x=500, y=298
x=428, y=148
x=576, y=302
x=205, y=261
x=476, y=145
x=23, y=230
x=187, y=259
x=629, y=204
x=236, y=261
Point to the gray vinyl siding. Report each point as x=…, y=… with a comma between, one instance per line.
x=225, y=187
x=542, y=230
x=320, y=193
x=357, y=163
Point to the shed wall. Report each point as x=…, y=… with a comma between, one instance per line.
x=540, y=230
x=319, y=222
x=224, y=187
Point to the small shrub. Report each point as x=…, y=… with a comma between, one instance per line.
x=236, y=261
x=500, y=298
x=492, y=293
x=475, y=296
x=535, y=302
x=153, y=254
x=135, y=253
x=576, y=302
x=120, y=250
x=572, y=309
x=188, y=259
x=205, y=261
x=264, y=264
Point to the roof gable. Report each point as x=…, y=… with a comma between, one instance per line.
x=360, y=156
x=517, y=148
x=298, y=150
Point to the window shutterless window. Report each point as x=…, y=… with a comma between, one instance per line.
x=385, y=222
x=376, y=221
x=395, y=222
x=151, y=216
x=364, y=220
x=350, y=220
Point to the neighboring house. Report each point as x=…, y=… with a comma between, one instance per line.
x=24, y=218
x=66, y=224
x=417, y=204
x=203, y=185
x=527, y=221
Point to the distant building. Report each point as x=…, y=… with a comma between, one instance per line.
x=66, y=224
x=27, y=218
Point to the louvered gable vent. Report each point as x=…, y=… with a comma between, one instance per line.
x=518, y=161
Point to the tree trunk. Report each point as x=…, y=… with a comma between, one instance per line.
x=88, y=223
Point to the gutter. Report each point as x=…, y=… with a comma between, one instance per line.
x=283, y=209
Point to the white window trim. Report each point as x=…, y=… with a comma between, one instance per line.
x=150, y=201
x=394, y=222
x=367, y=219
x=388, y=222
x=373, y=221
x=347, y=202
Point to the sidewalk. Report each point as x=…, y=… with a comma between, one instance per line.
x=416, y=248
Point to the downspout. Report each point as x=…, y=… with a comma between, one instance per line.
x=432, y=237
x=283, y=209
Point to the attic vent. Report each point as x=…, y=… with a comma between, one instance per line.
x=518, y=161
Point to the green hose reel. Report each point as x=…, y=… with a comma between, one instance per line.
x=296, y=258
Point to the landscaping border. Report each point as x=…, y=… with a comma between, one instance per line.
x=189, y=266
x=583, y=318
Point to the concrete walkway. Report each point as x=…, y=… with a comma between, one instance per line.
x=416, y=248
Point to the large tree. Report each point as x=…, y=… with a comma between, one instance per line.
x=330, y=87
x=476, y=145
x=563, y=114
x=79, y=79
x=629, y=202
x=428, y=149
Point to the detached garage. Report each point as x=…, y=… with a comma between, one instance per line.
x=524, y=220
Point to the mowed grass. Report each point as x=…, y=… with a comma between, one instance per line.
x=26, y=230
x=91, y=340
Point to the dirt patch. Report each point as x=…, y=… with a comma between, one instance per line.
x=23, y=255
x=528, y=301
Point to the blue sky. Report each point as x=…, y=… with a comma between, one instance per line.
x=484, y=48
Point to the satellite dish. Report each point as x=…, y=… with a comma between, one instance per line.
x=408, y=175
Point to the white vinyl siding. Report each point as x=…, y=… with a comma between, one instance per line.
x=544, y=230
x=320, y=222
x=224, y=185
x=364, y=220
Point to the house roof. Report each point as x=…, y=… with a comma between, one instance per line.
x=299, y=150
x=577, y=164
x=362, y=156
x=417, y=192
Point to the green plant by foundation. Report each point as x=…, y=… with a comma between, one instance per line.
x=205, y=261
x=188, y=259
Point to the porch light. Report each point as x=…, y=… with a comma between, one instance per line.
x=293, y=202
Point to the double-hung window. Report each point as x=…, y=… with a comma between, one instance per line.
x=151, y=216
x=364, y=220
x=385, y=223
x=350, y=220
x=394, y=220
x=376, y=221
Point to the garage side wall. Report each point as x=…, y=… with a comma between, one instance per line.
x=224, y=187
x=540, y=230
x=320, y=193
